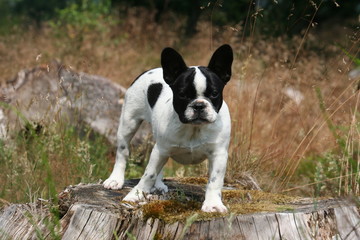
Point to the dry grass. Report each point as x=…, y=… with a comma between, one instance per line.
x=273, y=131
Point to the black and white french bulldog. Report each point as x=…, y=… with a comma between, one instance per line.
x=190, y=122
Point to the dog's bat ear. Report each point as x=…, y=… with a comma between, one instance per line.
x=173, y=65
x=221, y=61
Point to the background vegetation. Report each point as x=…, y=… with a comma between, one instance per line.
x=294, y=108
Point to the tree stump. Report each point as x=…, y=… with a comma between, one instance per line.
x=89, y=211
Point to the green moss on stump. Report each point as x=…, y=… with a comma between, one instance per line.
x=193, y=180
x=237, y=201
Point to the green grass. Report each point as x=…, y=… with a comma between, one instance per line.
x=42, y=160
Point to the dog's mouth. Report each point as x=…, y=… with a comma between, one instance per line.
x=199, y=121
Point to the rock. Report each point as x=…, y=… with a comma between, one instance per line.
x=54, y=92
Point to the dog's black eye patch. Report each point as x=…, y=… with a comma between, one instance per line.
x=153, y=93
x=214, y=88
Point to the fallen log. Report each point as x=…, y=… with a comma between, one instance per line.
x=89, y=211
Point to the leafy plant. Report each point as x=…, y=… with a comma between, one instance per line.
x=81, y=17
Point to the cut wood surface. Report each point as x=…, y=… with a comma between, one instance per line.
x=89, y=211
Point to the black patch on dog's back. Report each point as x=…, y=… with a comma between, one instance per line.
x=153, y=93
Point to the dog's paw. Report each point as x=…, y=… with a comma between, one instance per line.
x=216, y=206
x=159, y=186
x=134, y=195
x=113, y=183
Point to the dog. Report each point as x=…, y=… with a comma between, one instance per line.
x=189, y=118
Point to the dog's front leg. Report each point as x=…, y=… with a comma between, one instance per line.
x=217, y=169
x=127, y=128
x=147, y=181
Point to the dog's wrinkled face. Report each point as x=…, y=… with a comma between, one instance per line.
x=197, y=91
x=197, y=95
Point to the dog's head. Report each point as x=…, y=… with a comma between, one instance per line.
x=197, y=91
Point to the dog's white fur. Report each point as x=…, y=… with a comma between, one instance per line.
x=185, y=143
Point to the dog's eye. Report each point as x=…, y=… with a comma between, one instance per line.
x=214, y=94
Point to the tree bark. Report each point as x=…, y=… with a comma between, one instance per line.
x=93, y=212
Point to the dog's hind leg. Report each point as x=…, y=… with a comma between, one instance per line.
x=156, y=163
x=159, y=184
x=127, y=129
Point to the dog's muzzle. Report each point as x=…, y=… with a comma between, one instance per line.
x=200, y=111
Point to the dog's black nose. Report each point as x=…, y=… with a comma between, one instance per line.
x=198, y=106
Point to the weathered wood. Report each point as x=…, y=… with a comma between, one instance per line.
x=348, y=222
x=23, y=221
x=93, y=212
